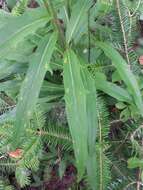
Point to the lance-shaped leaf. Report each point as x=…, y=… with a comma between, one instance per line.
x=31, y=86
x=17, y=28
x=91, y=111
x=75, y=97
x=112, y=89
x=80, y=96
x=77, y=22
x=92, y=124
x=125, y=73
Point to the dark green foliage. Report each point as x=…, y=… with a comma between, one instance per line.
x=71, y=95
x=57, y=135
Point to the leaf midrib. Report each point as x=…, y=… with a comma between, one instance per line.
x=76, y=23
x=22, y=29
x=41, y=62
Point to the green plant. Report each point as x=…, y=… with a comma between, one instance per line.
x=70, y=53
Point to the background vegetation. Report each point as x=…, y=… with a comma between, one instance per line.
x=71, y=86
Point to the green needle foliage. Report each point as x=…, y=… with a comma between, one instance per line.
x=80, y=58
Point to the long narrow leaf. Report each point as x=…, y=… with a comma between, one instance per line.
x=77, y=24
x=91, y=104
x=17, y=28
x=112, y=90
x=92, y=124
x=125, y=73
x=75, y=98
x=32, y=84
x=80, y=96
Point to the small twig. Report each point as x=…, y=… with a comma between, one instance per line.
x=138, y=179
x=138, y=5
x=131, y=22
x=68, y=7
x=132, y=183
x=118, y=141
x=120, y=172
x=116, y=121
x=134, y=133
x=45, y=133
x=116, y=150
x=89, y=38
x=139, y=171
x=123, y=31
x=1, y=157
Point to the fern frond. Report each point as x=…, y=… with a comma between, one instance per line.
x=7, y=165
x=103, y=117
x=121, y=25
x=118, y=184
x=125, y=32
x=29, y=160
x=38, y=119
x=22, y=176
x=57, y=135
x=31, y=150
x=103, y=169
x=134, y=61
x=3, y=106
x=20, y=7
x=4, y=185
x=103, y=163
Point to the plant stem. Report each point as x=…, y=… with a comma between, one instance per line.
x=123, y=31
x=50, y=8
x=68, y=7
x=89, y=38
x=138, y=179
x=51, y=134
x=136, y=9
x=100, y=154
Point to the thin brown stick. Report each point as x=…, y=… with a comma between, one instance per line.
x=123, y=31
x=45, y=133
x=138, y=179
